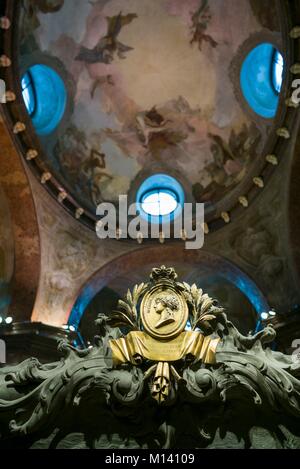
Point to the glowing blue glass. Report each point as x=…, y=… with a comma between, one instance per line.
x=261, y=79
x=28, y=93
x=159, y=198
x=45, y=98
x=277, y=71
x=159, y=203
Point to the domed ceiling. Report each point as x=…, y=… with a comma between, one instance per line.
x=153, y=86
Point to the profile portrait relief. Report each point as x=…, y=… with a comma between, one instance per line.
x=166, y=307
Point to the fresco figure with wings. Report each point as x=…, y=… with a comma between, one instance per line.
x=201, y=19
x=108, y=46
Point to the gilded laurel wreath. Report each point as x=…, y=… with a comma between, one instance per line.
x=204, y=312
x=203, y=308
x=127, y=314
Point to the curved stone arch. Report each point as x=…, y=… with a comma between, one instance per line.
x=26, y=268
x=128, y=263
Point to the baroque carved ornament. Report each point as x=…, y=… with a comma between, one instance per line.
x=168, y=347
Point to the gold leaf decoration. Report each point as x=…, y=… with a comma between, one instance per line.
x=202, y=307
x=127, y=314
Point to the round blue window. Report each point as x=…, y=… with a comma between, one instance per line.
x=45, y=97
x=261, y=79
x=159, y=198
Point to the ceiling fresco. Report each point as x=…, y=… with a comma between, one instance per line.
x=152, y=89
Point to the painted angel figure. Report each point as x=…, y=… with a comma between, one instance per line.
x=201, y=19
x=108, y=45
x=150, y=122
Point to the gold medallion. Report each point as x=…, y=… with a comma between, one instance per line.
x=164, y=312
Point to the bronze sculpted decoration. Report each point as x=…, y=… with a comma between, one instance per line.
x=162, y=337
x=165, y=306
x=167, y=370
x=164, y=312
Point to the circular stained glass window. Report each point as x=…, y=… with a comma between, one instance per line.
x=159, y=202
x=261, y=79
x=45, y=97
x=160, y=196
